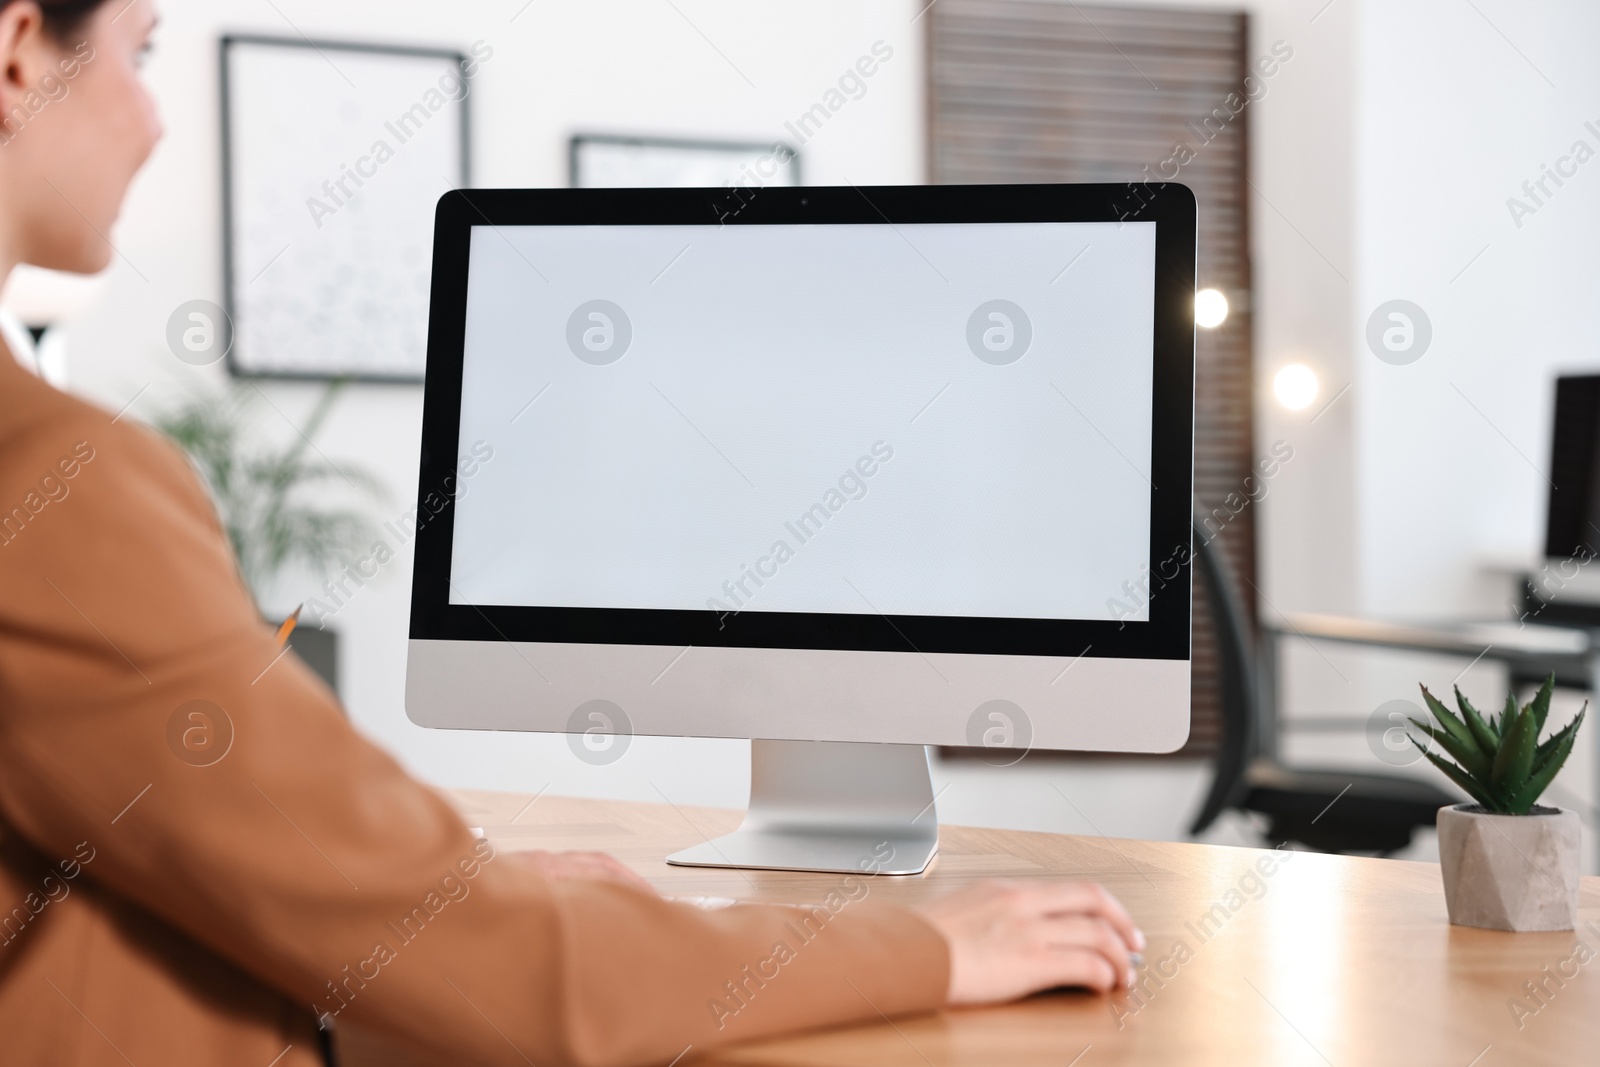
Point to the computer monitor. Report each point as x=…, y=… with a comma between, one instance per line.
x=847, y=471
x=1572, y=518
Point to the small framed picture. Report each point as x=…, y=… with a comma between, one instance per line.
x=601, y=161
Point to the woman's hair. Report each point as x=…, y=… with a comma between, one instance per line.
x=63, y=19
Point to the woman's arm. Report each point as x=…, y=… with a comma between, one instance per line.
x=308, y=858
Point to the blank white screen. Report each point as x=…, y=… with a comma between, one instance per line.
x=765, y=363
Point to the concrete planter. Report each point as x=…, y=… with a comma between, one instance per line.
x=1510, y=872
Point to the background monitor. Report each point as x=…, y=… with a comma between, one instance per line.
x=1572, y=522
x=825, y=466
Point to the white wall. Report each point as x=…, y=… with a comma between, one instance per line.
x=1382, y=157
x=1454, y=449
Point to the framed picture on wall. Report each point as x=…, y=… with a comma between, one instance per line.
x=603, y=161
x=333, y=157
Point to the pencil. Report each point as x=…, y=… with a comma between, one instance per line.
x=288, y=627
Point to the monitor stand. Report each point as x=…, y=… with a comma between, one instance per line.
x=831, y=806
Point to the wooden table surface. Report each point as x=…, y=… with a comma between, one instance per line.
x=1327, y=961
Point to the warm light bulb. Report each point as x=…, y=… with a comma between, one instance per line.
x=1295, y=386
x=1210, y=308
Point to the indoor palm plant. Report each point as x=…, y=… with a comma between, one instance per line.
x=273, y=501
x=1509, y=863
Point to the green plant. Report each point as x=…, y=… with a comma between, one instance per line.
x=262, y=494
x=1499, y=760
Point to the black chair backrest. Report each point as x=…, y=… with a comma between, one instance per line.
x=1236, y=665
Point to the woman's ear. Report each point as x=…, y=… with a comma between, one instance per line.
x=24, y=59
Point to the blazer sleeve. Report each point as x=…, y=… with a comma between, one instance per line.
x=273, y=835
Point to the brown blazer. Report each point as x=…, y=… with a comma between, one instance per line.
x=157, y=907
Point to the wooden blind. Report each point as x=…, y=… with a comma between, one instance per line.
x=1055, y=91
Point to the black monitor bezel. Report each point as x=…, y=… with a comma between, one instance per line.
x=1164, y=636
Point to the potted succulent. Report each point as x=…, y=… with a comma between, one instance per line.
x=1509, y=863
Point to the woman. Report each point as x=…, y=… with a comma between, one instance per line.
x=163, y=912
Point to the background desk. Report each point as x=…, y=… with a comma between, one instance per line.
x=1528, y=652
x=1329, y=961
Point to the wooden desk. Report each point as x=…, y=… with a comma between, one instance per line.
x=1329, y=961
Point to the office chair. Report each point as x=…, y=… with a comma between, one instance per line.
x=1330, y=810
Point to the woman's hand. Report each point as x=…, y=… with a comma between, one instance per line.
x=595, y=866
x=1010, y=939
